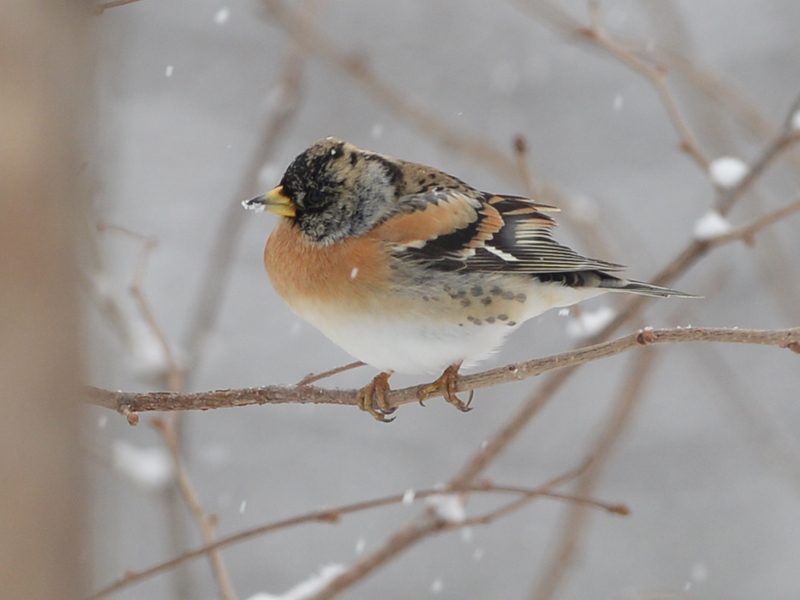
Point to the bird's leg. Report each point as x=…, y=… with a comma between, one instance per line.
x=446, y=385
x=372, y=398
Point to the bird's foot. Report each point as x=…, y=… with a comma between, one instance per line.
x=372, y=398
x=446, y=385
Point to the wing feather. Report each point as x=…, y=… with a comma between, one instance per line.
x=455, y=230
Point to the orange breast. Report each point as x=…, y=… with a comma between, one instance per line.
x=347, y=275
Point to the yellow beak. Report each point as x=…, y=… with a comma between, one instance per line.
x=273, y=201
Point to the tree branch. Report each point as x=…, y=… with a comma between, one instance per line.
x=206, y=523
x=131, y=402
x=747, y=232
x=333, y=515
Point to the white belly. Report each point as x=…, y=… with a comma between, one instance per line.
x=415, y=345
x=406, y=347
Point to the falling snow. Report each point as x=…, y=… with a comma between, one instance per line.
x=222, y=16
x=466, y=535
x=795, y=121
x=699, y=573
x=149, y=358
x=710, y=225
x=377, y=131
x=408, y=497
x=448, y=507
x=168, y=71
x=149, y=468
x=727, y=171
x=589, y=322
x=309, y=587
x=296, y=328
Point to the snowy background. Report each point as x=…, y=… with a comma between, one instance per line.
x=710, y=466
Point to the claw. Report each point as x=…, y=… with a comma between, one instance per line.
x=446, y=385
x=372, y=398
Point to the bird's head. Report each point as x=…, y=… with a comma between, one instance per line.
x=334, y=190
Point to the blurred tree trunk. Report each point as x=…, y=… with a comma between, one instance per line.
x=44, y=89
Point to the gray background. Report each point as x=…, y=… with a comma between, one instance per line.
x=710, y=466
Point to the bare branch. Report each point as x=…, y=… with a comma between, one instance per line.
x=172, y=401
x=656, y=74
x=748, y=232
x=206, y=523
x=553, y=574
x=785, y=140
x=722, y=93
x=334, y=515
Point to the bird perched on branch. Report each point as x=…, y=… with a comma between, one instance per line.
x=411, y=270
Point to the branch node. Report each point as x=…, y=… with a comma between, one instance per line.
x=513, y=368
x=646, y=337
x=619, y=509
x=132, y=417
x=358, y=63
x=330, y=516
x=520, y=144
x=484, y=484
x=794, y=347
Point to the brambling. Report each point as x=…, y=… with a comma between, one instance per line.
x=411, y=270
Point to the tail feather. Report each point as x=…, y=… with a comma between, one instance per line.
x=614, y=284
x=602, y=280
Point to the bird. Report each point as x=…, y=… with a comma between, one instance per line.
x=412, y=270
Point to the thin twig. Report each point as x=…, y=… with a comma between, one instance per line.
x=394, y=99
x=175, y=373
x=785, y=140
x=748, y=232
x=532, y=185
x=424, y=525
x=536, y=189
x=720, y=92
x=596, y=34
x=553, y=574
x=657, y=75
x=99, y=9
x=94, y=282
x=190, y=497
x=314, y=377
